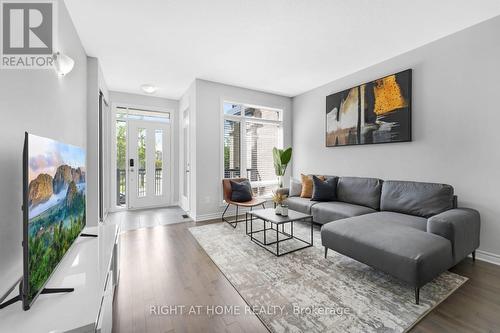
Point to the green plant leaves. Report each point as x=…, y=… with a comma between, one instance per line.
x=286, y=156
x=277, y=161
x=281, y=159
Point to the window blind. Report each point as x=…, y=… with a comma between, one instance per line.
x=260, y=140
x=232, y=149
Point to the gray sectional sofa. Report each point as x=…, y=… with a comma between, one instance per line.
x=411, y=230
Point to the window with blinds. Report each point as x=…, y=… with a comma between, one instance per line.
x=250, y=133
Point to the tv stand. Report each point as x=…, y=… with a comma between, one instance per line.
x=92, y=267
x=56, y=290
x=10, y=301
x=18, y=297
x=88, y=235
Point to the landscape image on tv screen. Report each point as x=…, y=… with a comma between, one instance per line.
x=56, y=206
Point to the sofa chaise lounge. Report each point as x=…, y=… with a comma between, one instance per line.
x=410, y=230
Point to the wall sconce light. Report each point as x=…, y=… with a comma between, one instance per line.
x=62, y=64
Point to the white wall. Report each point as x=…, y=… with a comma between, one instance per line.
x=40, y=102
x=157, y=104
x=455, y=125
x=209, y=96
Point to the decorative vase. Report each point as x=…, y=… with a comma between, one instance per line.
x=278, y=210
x=280, y=181
x=284, y=210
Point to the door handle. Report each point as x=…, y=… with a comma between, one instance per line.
x=131, y=165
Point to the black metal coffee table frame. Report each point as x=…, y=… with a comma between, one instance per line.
x=274, y=225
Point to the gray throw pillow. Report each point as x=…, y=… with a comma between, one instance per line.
x=324, y=190
x=295, y=187
x=241, y=191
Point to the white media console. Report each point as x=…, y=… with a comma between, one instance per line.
x=91, y=267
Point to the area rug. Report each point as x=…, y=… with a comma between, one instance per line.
x=304, y=292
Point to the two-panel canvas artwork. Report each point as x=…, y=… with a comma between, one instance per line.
x=375, y=112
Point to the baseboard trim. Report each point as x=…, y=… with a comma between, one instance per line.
x=231, y=212
x=492, y=258
x=206, y=217
x=217, y=215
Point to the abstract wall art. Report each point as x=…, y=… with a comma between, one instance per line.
x=375, y=112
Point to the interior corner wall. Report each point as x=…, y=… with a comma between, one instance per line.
x=41, y=103
x=209, y=98
x=156, y=103
x=95, y=84
x=455, y=117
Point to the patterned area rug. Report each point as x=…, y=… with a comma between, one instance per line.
x=303, y=292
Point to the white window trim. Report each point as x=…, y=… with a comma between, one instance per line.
x=243, y=121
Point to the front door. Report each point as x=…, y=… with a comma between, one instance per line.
x=148, y=164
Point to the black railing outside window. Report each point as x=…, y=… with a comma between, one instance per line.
x=158, y=181
x=252, y=174
x=141, y=183
x=121, y=184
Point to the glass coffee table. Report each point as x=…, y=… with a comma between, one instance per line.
x=269, y=217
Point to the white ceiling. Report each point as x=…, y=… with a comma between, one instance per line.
x=281, y=46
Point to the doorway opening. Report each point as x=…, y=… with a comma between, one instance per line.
x=143, y=162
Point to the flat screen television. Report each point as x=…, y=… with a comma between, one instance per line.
x=54, y=190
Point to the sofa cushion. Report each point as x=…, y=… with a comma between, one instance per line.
x=324, y=190
x=411, y=221
x=241, y=191
x=299, y=204
x=295, y=187
x=325, y=212
x=360, y=191
x=307, y=185
x=415, y=198
x=405, y=252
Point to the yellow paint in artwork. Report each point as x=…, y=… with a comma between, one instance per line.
x=388, y=95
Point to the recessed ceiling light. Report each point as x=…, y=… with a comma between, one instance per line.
x=149, y=88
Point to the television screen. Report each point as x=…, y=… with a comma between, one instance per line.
x=54, y=207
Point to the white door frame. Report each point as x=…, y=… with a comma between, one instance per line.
x=171, y=112
x=185, y=201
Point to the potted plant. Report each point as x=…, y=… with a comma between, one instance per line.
x=281, y=159
x=278, y=199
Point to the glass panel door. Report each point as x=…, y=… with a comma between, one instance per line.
x=149, y=158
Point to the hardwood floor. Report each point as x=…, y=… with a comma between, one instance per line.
x=164, y=265
x=474, y=307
